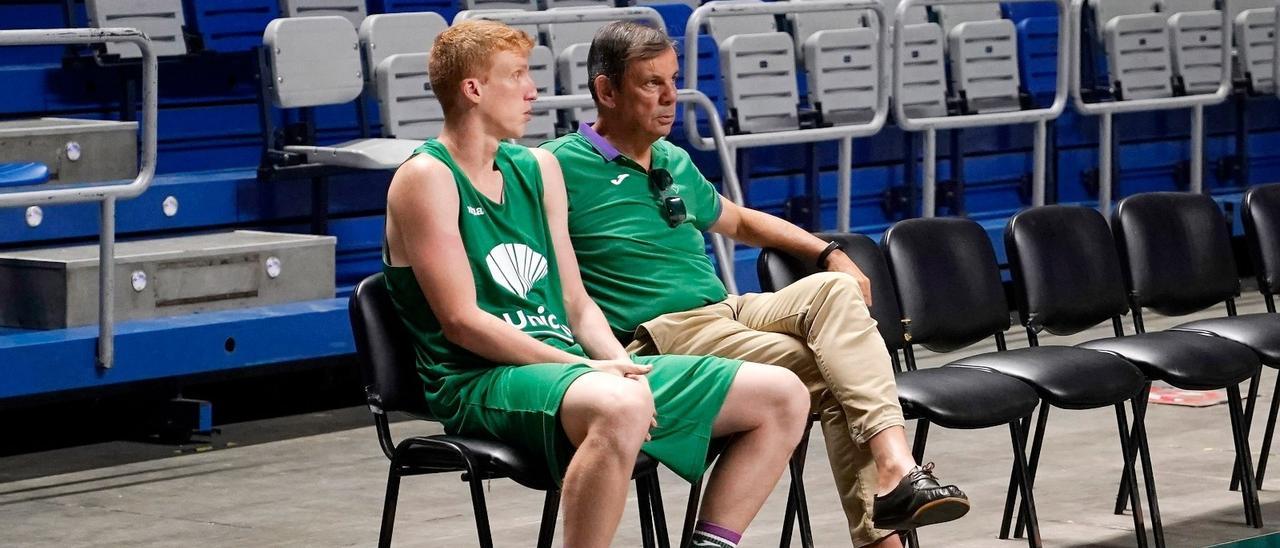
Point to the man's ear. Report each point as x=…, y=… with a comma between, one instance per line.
x=605, y=93
x=471, y=89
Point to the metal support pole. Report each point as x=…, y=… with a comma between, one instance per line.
x=1104, y=164
x=1197, y=149
x=928, y=202
x=106, y=283
x=844, y=184
x=1038, y=160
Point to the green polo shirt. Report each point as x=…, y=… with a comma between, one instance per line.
x=633, y=264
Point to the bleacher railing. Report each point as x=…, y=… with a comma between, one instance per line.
x=930, y=125
x=843, y=134
x=1108, y=109
x=106, y=194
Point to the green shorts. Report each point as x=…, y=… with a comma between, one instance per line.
x=520, y=405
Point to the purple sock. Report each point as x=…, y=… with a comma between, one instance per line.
x=710, y=535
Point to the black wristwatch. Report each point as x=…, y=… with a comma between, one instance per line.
x=822, y=257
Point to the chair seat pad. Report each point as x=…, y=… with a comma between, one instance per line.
x=1261, y=332
x=958, y=397
x=1190, y=361
x=494, y=459
x=1064, y=376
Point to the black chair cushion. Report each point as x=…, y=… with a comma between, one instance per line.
x=1261, y=216
x=493, y=460
x=388, y=364
x=948, y=281
x=1189, y=361
x=1176, y=250
x=1261, y=332
x=958, y=397
x=1066, y=377
x=1066, y=271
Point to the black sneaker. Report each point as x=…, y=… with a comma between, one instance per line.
x=918, y=500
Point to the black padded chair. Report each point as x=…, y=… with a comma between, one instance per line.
x=1067, y=278
x=1177, y=258
x=392, y=385
x=956, y=398
x=1260, y=212
x=951, y=291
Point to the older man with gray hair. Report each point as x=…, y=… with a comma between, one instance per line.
x=637, y=209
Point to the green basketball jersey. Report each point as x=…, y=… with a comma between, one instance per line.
x=513, y=265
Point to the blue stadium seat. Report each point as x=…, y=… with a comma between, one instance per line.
x=23, y=174
x=231, y=25
x=1037, y=57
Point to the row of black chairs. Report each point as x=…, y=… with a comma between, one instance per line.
x=936, y=283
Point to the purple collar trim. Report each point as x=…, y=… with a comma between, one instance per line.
x=601, y=144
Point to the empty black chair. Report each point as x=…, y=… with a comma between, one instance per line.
x=949, y=282
x=952, y=397
x=392, y=384
x=1176, y=255
x=1067, y=278
x=1261, y=215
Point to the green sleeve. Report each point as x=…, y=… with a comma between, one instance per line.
x=702, y=199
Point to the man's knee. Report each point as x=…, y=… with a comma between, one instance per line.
x=838, y=285
x=621, y=411
x=785, y=395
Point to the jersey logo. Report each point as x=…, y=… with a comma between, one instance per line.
x=618, y=180
x=517, y=267
x=477, y=211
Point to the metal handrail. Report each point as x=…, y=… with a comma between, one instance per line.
x=931, y=124
x=1275, y=57
x=1108, y=109
x=723, y=249
x=568, y=15
x=107, y=194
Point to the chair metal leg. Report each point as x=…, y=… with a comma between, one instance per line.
x=1122, y=495
x=1248, y=421
x=481, y=510
x=389, y=508
x=644, y=500
x=1266, y=436
x=917, y=452
x=1024, y=480
x=1148, y=475
x=1253, y=511
x=659, y=511
x=691, y=514
x=1011, y=495
x=797, y=492
x=1126, y=449
x=1042, y=420
x=550, y=510
x=788, y=517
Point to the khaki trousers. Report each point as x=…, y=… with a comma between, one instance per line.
x=820, y=328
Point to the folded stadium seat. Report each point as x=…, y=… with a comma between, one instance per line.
x=314, y=61
x=396, y=48
x=838, y=52
x=161, y=20
x=1037, y=50
x=924, y=75
x=950, y=397
x=1260, y=212
x=352, y=10
x=23, y=174
x=758, y=65
x=392, y=384
x=1195, y=35
x=1255, y=25
x=525, y=5
x=569, y=43
x=931, y=259
x=1136, y=41
x=983, y=49
x=1178, y=260
x=1061, y=300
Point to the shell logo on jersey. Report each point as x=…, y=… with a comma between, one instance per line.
x=517, y=268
